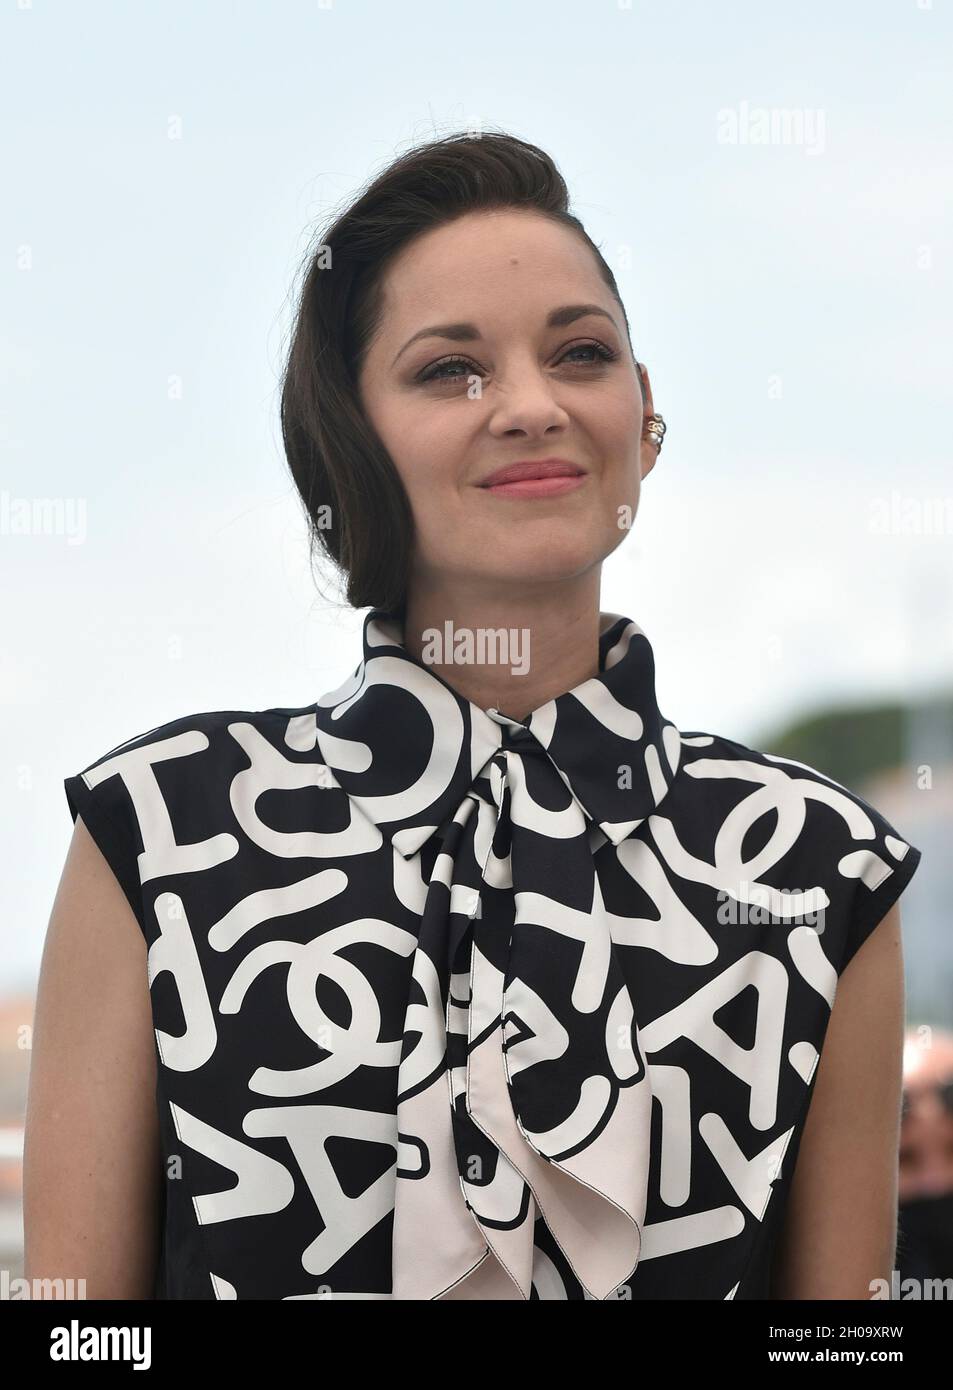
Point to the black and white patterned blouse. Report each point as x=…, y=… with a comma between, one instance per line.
x=452, y=1006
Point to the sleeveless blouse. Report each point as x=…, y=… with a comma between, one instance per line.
x=453, y=1006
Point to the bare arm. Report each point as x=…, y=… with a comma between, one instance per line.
x=92, y=1170
x=840, y=1229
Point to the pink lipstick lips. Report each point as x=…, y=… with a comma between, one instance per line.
x=539, y=478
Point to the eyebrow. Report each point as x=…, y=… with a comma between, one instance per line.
x=468, y=332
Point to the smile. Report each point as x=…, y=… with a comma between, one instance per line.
x=525, y=479
x=538, y=487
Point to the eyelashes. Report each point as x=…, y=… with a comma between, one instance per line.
x=604, y=355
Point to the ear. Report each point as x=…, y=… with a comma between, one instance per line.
x=648, y=453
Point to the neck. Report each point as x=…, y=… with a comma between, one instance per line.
x=546, y=640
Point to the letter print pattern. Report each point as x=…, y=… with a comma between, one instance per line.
x=453, y=1006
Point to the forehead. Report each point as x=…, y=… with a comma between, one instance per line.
x=490, y=261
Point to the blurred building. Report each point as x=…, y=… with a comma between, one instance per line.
x=900, y=758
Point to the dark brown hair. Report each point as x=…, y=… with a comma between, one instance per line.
x=338, y=463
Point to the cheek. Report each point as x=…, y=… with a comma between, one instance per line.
x=434, y=458
x=616, y=439
x=618, y=425
x=418, y=464
x=408, y=434
x=431, y=470
x=429, y=476
x=620, y=493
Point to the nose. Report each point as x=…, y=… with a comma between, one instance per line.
x=526, y=403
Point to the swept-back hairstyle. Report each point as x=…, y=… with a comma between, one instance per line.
x=359, y=515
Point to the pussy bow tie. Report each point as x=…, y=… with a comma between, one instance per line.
x=523, y=1090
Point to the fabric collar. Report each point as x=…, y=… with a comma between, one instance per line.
x=406, y=747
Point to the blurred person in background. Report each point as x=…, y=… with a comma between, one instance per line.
x=925, y=1245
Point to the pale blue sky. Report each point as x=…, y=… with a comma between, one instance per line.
x=822, y=268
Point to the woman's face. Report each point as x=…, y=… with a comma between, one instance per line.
x=456, y=404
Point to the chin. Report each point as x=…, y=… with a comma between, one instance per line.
x=542, y=565
x=562, y=552
x=524, y=553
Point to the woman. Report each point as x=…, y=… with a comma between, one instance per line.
x=421, y=956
